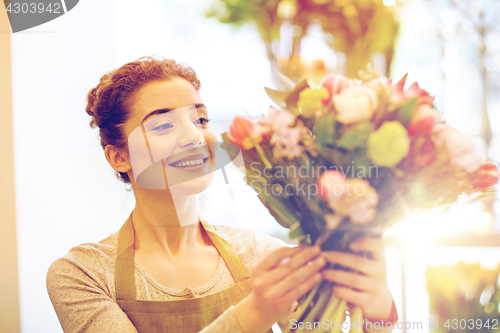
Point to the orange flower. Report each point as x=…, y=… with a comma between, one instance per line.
x=244, y=133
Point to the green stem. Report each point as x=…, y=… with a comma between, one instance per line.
x=339, y=315
x=303, y=306
x=330, y=311
x=262, y=155
x=318, y=308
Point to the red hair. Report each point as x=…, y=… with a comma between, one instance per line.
x=108, y=103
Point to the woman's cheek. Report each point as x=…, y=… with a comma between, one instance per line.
x=209, y=135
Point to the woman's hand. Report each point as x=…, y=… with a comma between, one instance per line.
x=367, y=286
x=278, y=280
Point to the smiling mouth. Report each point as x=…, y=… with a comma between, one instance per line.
x=189, y=163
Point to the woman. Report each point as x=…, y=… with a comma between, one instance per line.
x=167, y=270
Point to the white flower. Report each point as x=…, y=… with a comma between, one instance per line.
x=355, y=104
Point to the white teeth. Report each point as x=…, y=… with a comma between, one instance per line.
x=189, y=163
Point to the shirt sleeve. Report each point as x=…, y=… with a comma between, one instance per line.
x=83, y=304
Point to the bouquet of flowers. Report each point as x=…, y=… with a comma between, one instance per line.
x=464, y=298
x=348, y=159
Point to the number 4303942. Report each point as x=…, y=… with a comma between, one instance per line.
x=32, y=8
x=471, y=324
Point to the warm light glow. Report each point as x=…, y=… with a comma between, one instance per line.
x=390, y=3
x=418, y=230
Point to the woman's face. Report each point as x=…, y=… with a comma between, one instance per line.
x=168, y=136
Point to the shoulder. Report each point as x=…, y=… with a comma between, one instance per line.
x=85, y=264
x=251, y=245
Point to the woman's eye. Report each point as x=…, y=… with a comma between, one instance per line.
x=202, y=121
x=162, y=127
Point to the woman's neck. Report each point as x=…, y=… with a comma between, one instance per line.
x=162, y=224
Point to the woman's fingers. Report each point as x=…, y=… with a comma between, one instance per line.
x=275, y=257
x=297, y=277
x=373, y=245
x=302, y=288
x=354, y=261
x=291, y=264
x=351, y=296
x=350, y=279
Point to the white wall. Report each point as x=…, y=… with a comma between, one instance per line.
x=66, y=192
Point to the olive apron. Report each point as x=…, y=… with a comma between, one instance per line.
x=179, y=316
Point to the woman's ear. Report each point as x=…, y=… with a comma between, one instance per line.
x=118, y=158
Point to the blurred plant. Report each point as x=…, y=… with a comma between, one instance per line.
x=357, y=28
x=463, y=292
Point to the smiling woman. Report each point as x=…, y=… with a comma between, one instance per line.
x=167, y=269
x=156, y=135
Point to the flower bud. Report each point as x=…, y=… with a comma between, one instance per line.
x=423, y=121
x=486, y=176
x=243, y=132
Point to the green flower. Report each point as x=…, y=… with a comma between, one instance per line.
x=388, y=145
x=311, y=100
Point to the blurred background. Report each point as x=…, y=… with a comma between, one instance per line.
x=57, y=189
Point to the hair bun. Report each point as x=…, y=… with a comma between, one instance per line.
x=91, y=97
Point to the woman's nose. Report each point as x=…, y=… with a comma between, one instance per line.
x=191, y=136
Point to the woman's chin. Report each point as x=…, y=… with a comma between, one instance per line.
x=192, y=187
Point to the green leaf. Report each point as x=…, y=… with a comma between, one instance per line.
x=324, y=129
x=296, y=231
x=362, y=165
x=224, y=137
x=287, y=82
x=277, y=97
x=406, y=110
x=355, y=136
x=293, y=96
x=275, y=206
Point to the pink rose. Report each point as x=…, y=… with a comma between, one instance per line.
x=334, y=83
x=461, y=149
x=359, y=202
x=331, y=185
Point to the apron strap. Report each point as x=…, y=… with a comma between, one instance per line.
x=233, y=261
x=124, y=265
x=125, y=268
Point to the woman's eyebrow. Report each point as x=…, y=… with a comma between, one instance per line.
x=155, y=112
x=165, y=110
